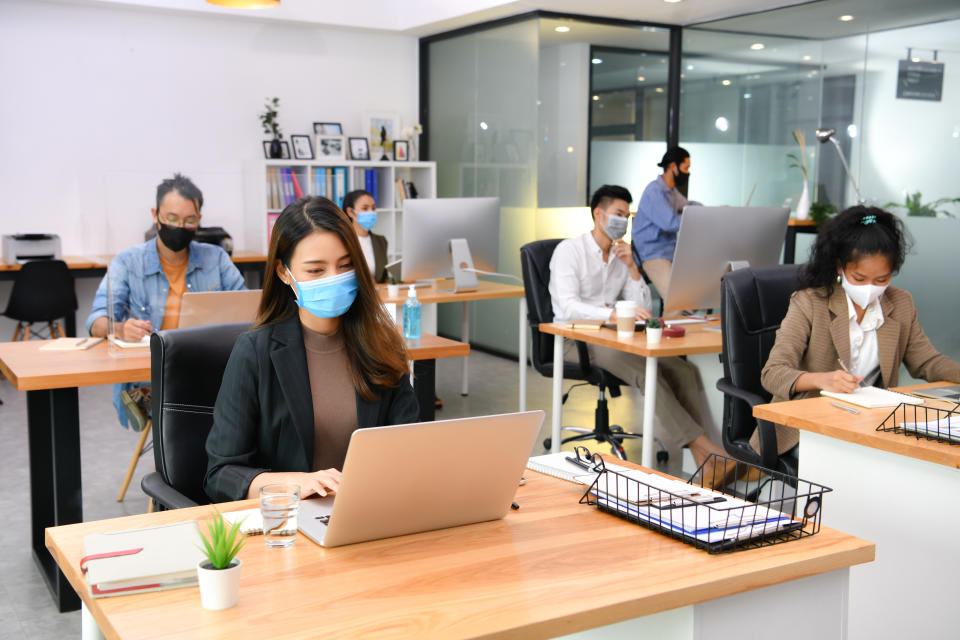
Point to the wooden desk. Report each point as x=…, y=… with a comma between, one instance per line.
x=794, y=227
x=51, y=379
x=899, y=491
x=486, y=291
x=698, y=339
x=533, y=574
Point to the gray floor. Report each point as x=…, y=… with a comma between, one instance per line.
x=26, y=608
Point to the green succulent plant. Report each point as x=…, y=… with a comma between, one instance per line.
x=654, y=323
x=223, y=543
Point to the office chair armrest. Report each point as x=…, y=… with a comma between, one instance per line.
x=168, y=497
x=751, y=398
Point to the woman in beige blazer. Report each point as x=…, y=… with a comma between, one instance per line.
x=846, y=324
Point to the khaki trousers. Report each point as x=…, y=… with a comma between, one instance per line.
x=658, y=270
x=678, y=387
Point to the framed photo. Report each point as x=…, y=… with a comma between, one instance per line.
x=302, y=149
x=382, y=128
x=331, y=147
x=283, y=145
x=359, y=149
x=401, y=150
x=327, y=128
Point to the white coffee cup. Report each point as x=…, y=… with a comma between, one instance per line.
x=626, y=318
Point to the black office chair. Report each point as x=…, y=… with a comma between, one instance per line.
x=535, y=262
x=43, y=291
x=753, y=302
x=646, y=278
x=186, y=366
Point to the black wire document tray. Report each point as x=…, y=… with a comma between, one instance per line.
x=717, y=520
x=921, y=421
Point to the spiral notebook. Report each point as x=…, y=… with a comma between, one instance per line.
x=874, y=397
x=252, y=521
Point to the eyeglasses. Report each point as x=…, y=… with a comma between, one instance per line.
x=190, y=222
x=589, y=461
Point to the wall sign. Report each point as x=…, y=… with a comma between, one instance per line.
x=920, y=80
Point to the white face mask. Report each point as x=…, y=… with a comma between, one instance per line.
x=862, y=295
x=616, y=226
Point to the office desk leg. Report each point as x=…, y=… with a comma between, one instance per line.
x=70, y=325
x=649, y=411
x=557, y=393
x=790, y=246
x=465, y=337
x=522, y=357
x=424, y=387
x=53, y=424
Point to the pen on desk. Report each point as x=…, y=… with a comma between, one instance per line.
x=82, y=342
x=844, y=407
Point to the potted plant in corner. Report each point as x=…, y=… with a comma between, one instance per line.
x=654, y=331
x=219, y=573
x=270, y=126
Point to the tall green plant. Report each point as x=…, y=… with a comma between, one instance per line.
x=269, y=118
x=223, y=543
x=799, y=160
x=914, y=207
x=820, y=212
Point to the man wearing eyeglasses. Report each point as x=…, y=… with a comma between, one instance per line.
x=148, y=281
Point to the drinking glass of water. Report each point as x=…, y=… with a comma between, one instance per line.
x=279, y=507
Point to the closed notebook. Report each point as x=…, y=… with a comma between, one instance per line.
x=874, y=397
x=140, y=560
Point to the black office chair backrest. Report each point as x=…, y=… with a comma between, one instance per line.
x=42, y=292
x=753, y=302
x=186, y=369
x=535, y=264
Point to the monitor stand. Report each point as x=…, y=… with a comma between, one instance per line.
x=464, y=276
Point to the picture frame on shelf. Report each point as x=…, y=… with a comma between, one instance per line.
x=359, y=148
x=380, y=124
x=401, y=150
x=302, y=148
x=283, y=145
x=327, y=128
x=331, y=147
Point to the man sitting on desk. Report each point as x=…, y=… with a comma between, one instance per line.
x=657, y=221
x=587, y=276
x=148, y=280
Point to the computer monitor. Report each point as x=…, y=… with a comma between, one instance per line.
x=440, y=234
x=714, y=240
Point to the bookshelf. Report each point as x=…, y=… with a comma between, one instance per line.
x=262, y=197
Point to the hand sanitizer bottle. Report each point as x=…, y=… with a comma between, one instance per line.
x=411, y=315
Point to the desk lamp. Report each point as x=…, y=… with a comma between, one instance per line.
x=823, y=135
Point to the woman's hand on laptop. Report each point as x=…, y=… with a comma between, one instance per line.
x=323, y=483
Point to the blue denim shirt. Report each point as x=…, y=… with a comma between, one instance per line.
x=656, y=223
x=140, y=288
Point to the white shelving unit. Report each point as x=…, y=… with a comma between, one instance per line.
x=389, y=209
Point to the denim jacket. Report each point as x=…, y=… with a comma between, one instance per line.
x=140, y=288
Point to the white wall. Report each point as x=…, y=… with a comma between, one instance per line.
x=102, y=102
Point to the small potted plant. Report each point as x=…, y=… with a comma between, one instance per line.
x=270, y=126
x=654, y=331
x=219, y=573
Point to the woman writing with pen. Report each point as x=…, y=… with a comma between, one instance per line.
x=846, y=326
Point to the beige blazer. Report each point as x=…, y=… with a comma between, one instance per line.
x=816, y=331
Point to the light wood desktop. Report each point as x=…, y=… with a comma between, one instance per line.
x=698, y=339
x=534, y=574
x=51, y=379
x=899, y=491
x=442, y=292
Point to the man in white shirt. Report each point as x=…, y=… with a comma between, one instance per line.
x=588, y=274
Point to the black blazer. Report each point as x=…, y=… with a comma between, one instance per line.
x=263, y=418
x=379, y=258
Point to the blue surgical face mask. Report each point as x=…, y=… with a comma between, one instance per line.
x=367, y=219
x=326, y=297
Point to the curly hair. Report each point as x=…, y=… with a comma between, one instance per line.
x=853, y=233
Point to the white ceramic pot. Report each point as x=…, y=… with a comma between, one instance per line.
x=803, y=206
x=219, y=588
x=393, y=290
x=654, y=335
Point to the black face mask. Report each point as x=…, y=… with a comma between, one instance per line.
x=175, y=238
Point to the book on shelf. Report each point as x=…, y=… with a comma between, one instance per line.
x=339, y=185
x=297, y=191
x=328, y=193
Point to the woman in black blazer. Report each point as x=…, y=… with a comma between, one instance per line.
x=323, y=359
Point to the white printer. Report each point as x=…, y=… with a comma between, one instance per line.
x=23, y=247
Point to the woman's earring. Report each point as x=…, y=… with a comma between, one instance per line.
x=838, y=278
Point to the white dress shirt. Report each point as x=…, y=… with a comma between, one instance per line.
x=366, y=245
x=864, y=357
x=583, y=286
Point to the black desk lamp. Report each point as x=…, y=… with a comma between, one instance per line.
x=823, y=135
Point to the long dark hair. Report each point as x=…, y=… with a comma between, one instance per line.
x=855, y=232
x=375, y=350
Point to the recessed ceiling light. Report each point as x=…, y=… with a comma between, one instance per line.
x=914, y=59
x=845, y=18
x=725, y=83
x=659, y=89
x=569, y=149
x=561, y=29
x=757, y=46
x=245, y=4
x=596, y=97
x=747, y=96
x=689, y=67
x=597, y=61
x=672, y=1
x=722, y=124
x=806, y=57
x=484, y=125
x=640, y=79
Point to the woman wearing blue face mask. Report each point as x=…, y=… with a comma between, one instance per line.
x=323, y=360
x=362, y=209
x=847, y=324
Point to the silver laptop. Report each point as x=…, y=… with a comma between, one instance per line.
x=201, y=308
x=420, y=477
